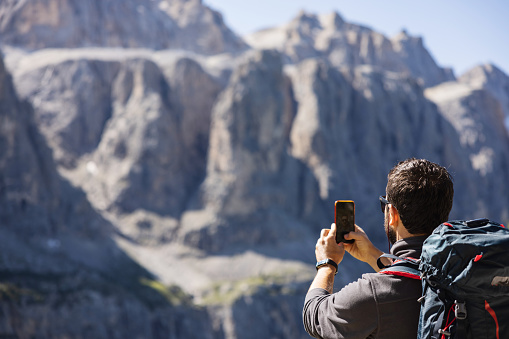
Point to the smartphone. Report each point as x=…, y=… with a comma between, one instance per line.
x=344, y=219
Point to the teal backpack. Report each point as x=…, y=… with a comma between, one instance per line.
x=464, y=269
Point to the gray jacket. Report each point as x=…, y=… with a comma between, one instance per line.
x=375, y=306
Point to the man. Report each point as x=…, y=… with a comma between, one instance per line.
x=419, y=197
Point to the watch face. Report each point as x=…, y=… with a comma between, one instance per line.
x=327, y=262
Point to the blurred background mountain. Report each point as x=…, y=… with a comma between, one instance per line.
x=162, y=177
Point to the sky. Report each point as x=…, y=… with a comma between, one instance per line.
x=458, y=33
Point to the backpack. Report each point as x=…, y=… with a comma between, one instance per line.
x=464, y=269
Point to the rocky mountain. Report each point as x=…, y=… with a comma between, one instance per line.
x=174, y=184
x=60, y=263
x=160, y=24
x=478, y=118
x=347, y=45
x=491, y=79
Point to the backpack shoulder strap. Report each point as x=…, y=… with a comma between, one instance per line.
x=404, y=267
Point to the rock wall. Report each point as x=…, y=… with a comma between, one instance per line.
x=494, y=81
x=61, y=273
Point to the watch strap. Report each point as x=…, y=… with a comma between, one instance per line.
x=327, y=262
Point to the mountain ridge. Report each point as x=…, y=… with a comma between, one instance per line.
x=327, y=35
x=116, y=23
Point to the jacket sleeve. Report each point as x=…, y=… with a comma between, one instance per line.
x=349, y=313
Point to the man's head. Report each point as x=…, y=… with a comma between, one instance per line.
x=422, y=192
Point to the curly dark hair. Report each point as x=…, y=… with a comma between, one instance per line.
x=422, y=192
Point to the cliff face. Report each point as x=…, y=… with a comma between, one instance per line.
x=110, y=117
x=179, y=193
x=60, y=263
x=478, y=119
x=253, y=185
x=491, y=79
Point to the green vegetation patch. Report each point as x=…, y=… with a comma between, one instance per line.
x=173, y=294
x=11, y=292
x=227, y=292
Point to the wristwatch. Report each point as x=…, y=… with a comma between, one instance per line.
x=327, y=262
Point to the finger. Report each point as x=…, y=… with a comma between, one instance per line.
x=333, y=230
x=359, y=229
x=354, y=236
x=324, y=233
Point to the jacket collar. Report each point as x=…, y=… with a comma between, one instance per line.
x=409, y=247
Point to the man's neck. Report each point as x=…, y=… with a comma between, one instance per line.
x=405, y=235
x=402, y=232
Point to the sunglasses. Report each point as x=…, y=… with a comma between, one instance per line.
x=383, y=202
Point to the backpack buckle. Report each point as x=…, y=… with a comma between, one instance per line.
x=460, y=310
x=444, y=332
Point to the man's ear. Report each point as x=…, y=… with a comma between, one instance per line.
x=393, y=216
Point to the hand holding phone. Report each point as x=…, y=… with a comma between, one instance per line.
x=344, y=217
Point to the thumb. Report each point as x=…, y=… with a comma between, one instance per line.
x=357, y=234
x=354, y=235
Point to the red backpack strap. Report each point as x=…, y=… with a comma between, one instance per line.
x=404, y=267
